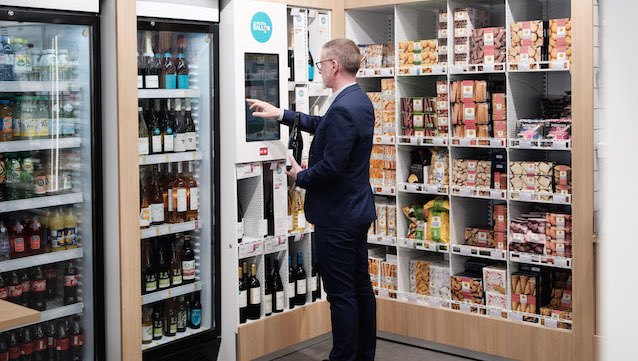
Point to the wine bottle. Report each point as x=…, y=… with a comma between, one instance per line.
x=163, y=268
x=291, y=285
x=295, y=143
x=313, y=280
x=254, y=309
x=243, y=297
x=278, y=287
x=268, y=293
x=300, y=280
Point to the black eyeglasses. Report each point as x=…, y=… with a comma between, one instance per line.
x=319, y=64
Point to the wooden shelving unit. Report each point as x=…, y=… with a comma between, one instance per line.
x=12, y=315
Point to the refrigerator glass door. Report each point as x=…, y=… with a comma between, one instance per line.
x=46, y=186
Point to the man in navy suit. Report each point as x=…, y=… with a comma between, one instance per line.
x=339, y=200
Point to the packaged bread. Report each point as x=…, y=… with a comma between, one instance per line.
x=438, y=220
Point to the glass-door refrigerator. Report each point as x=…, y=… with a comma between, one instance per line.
x=49, y=183
x=178, y=130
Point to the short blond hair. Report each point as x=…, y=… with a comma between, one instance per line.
x=345, y=52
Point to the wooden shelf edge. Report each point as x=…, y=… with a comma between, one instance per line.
x=277, y=332
x=12, y=315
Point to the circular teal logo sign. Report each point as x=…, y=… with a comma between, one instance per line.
x=323, y=20
x=261, y=27
x=278, y=170
x=301, y=93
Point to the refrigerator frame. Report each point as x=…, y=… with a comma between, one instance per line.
x=208, y=341
x=92, y=20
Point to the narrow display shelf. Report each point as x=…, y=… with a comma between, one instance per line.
x=480, y=142
x=384, y=139
x=427, y=141
x=167, y=93
x=478, y=68
x=40, y=144
x=538, y=197
x=13, y=316
x=383, y=240
x=423, y=245
x=250, y=248
x=483, y=193
x=170, y=157
x=480, y=252
x=249, y=170
x=539, y=66
x=420, y=188
x=541, y=260
x=38, y=86
x=60, y=311
x=542, y=144
x=384, y=190
x=172, y=292
x=375, y=73
x=275, y=244
x=40, y=202
x=424, y=70
x=423, y=299
x=41, y=259
x=165, y=229
x=386, y=293
x=166, y=339
x=545, y=321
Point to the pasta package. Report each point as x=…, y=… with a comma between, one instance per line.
x=438, y=224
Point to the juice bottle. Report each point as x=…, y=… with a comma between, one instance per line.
x=6, y=121
x=36, y=246
x=70, y=227
x=46, y=234
x=26, y=177
x=56, y=229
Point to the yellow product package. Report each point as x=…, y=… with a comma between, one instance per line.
x=438, y=214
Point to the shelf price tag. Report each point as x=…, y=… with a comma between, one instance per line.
x=560, y=198
x=525, y=196
x=551, y=323
x=438, y=141
x=466, y=308
x=494, y=143
x=467, y=192
x=498, y=194
x=523, y=66
x=488, y=67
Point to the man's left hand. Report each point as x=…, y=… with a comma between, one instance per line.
x=296, y=168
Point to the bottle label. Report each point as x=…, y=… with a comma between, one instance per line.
x=157, y=330
x=57, y=238
x=255, y=296
x=170, y=200
x=35, y=242
x=181, y=320
x=173, y=326
x=191, y=141
x=61, y=345
x=164, y=280
x=15, y=291
x=142, y=144
x=188, y=270
x=196, y=317
x=4, y=248
x=279, y=301
x=70, y=280
x=157, y=142
x=67, y=126
x=18, y=244
x=40, y=345
x=179, y=142
x=6, y=125
x=40, y=185
x=145, y=217
x=77, y=340
x=147, y=333
x=14, y=353
x=243, y=299
x=182, y=81
x=288, y=161
x=301, y=287
x=181, y=200
x=29, y=128
x=268, y=304
x=194, y=198
x=43, y=127
x=291, y=289
x=66, y=178
x=39, y=286
x=26, y=287
x=50, y=342
x=4, y=293
x=152, y=81
x=177, y=277
x=168, y=140
x=26, y=349
x=157, y=213
x=170, y=81
x=151, y=284
x=140, y=82
x=313, y=284
x=70, y=237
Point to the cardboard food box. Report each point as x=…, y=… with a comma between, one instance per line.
x=524, y=292
x=488, y=45
x=468, y=287
x=374, y=56
x=500, y=217
x=495, y=279
x=560, y=39
x=526, y=42
x=499, y=110
x=478, y=237
x=496, y=299
x=440, y=281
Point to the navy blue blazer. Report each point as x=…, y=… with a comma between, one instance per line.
x=337, y=181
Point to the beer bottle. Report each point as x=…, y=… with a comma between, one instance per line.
x=36, y=245
x=188, y=261
x=182, y=314
x=17, y=241
x=196, y=313
x=170, y=329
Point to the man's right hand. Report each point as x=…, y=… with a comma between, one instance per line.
x=263, y=109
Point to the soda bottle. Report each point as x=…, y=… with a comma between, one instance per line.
x=18, y=243
x=36, y=245
x=13, y=175
x=4, y=349
x=25, y=279
x=15, y=288
x=50, y=273
x=56, y=229
x=39, y=290
x=19, y=60
x=6, y=121
x=70, y=229
x=5, y=246
x=14, y=346
x=70, y=284
x=49, y=329
x=61, y=342
x=17, y=117
x=39, y=343
x=4, y=289
x=39, y=177
x=3, y=178
x=26, y=349
x=77, y=339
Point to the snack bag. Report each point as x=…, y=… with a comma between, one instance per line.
x=438, y=224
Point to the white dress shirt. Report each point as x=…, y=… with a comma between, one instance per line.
x=328, y=102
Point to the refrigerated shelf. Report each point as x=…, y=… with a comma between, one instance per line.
x=40, y=202
x=166, y=339
x=41, y=259
x=38, y=86
x=170, y=157
x=39, y=144
x=55, y=313
x=172, y=292
x=167, y=93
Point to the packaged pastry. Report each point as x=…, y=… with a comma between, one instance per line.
x=526, y=42
x=440, y=281
x=420, y=277
x=439, y=171
x=478, y=237
x=495, y=279
x=468, y=287
x=524, y=292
